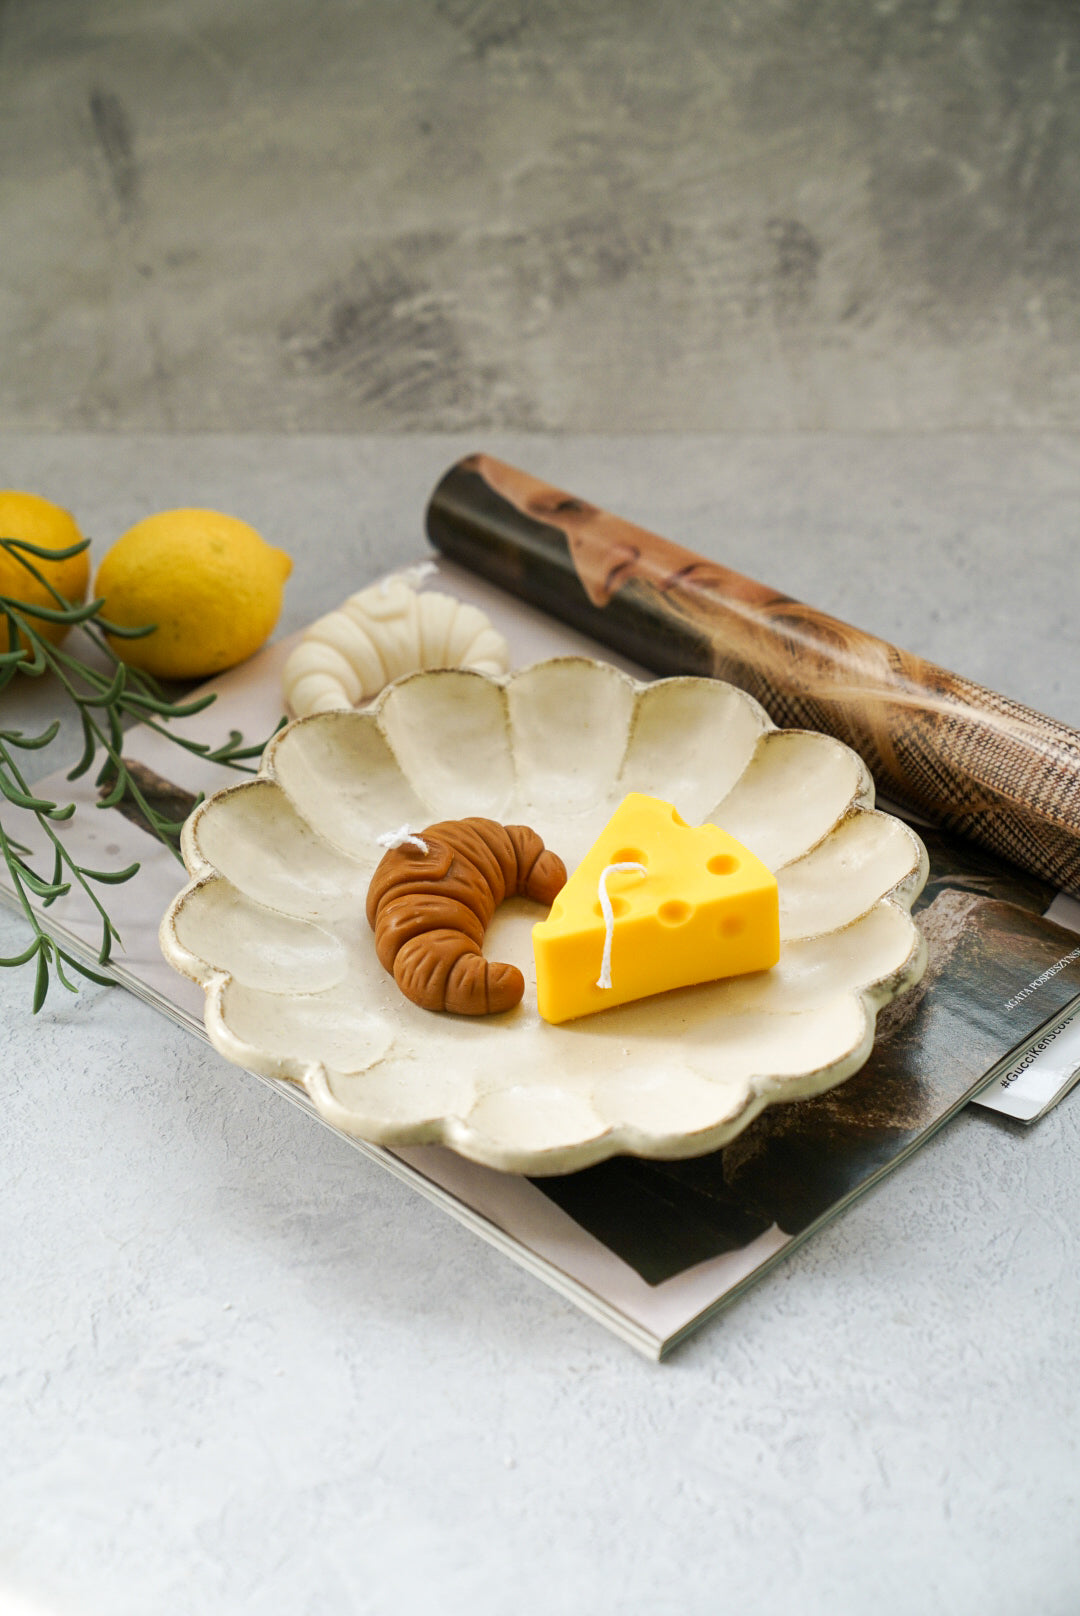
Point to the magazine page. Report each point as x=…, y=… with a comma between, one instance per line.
x=649, y=1248
x=1033, y=1084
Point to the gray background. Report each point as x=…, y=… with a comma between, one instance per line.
x=627, y=215
x=830, y=250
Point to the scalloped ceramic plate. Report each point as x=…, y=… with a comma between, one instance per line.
x=272, y=924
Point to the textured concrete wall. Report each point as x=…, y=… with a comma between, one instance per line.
x=432, y=214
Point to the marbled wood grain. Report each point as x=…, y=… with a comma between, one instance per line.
x=976, y=762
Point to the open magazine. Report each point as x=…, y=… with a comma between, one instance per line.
x=652, y=1249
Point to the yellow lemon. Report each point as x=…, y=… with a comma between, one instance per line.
x=38, y=521
x=210, y=584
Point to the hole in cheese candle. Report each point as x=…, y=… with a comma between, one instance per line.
x=704, y=907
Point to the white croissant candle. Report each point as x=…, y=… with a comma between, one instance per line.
x=387, y=630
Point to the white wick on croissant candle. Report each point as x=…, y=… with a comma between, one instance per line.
x=402, y=837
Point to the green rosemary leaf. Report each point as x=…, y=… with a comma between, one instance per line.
x=23, y=799
x=167, y=829
x=84, y=970
x=168, y=709
x=39, y=887
x=119, y=632
x=62, y=887
x=112, y=878
x=24, y=545
x=227, y=748
x=41, y=984
x=33, y=743
x=68, y=615
x=108, y=696
x=34, y=664
x=120, y=785
x=89, y=751
x=57, y=962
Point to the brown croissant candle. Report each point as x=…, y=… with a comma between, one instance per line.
x=430, y=906
x=973, y=761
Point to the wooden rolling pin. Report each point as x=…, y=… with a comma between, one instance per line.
x=968, y=759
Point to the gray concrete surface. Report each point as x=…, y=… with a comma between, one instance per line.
x=242, y=1371
x=462, y=214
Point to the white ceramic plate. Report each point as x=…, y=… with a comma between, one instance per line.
x=272, y=923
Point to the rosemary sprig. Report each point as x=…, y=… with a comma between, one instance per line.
x=103, y=701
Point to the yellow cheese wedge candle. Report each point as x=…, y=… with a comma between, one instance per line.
x=702, y=907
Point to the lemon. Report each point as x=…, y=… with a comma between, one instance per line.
x=38, y=521
x=209, y=582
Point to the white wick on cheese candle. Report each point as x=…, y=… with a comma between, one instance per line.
x=609, y=918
